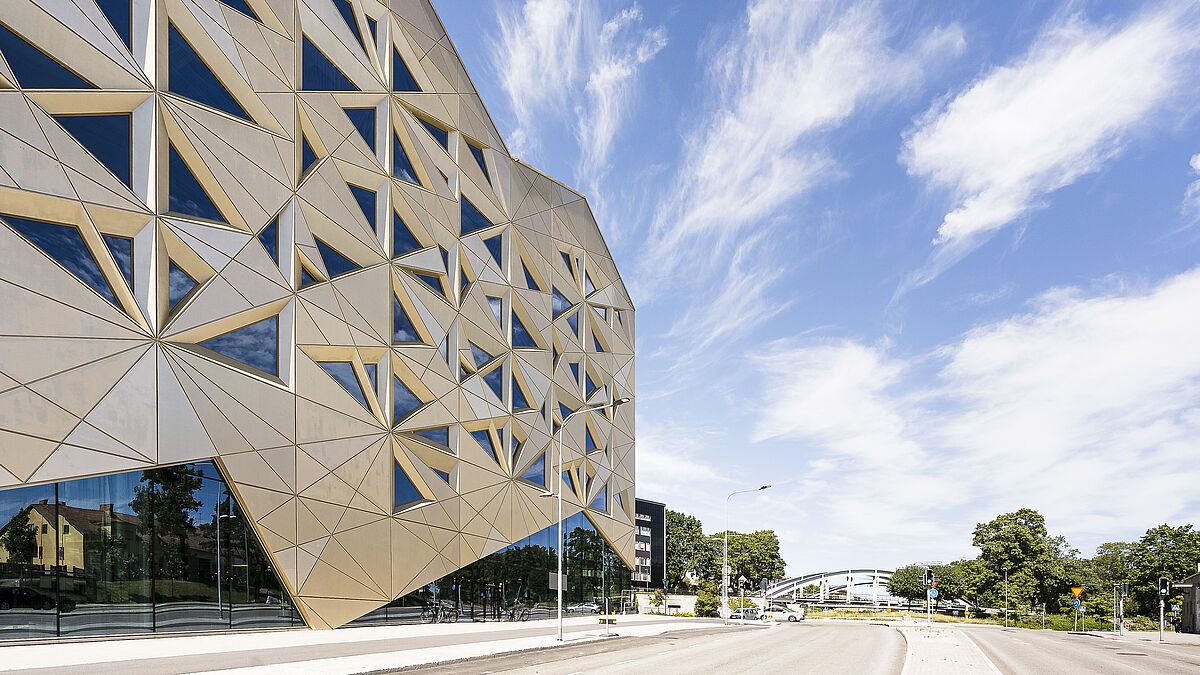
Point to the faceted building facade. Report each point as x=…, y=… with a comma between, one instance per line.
x=285, y=332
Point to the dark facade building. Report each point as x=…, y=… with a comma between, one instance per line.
x=650, y=545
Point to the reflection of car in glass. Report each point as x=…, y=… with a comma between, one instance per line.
x=28, y=598
x=747, y=613
x=585, y=607
x=781, y=613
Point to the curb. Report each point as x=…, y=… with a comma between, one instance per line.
x=527, y=650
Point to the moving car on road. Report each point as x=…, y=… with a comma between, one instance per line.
x=781, y=613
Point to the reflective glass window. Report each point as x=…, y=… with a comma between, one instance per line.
x=179, y=284
x=119, y=14
x=439, y=435
x=317, y=72
x=404, y=490
x=403, y=240
x=269, y=238
x=31, y=579
x=335, y=263
x=403, y=329
x=121, y=249
x=404, y=401
x=536, y=473
x=495, y=247
x=521, y=336
x=366, y=202
x=256, y=345
x=439, y=134
x=189, y=76
x=402, y=168
x=65, y=244
x=472, y=219
x=343, y=373
x=363, y=120
x=185, y=195
x=108, y=137
x=494, y=380
x=402, y=79
x=34, y=68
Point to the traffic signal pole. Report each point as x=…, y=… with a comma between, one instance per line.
x=1161, y=603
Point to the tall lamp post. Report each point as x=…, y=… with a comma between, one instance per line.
x=1006, y=597
x=725, y=562
x=548, y=493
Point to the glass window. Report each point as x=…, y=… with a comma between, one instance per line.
x=518, y=397
x=107, y=568
x=574, y=370
x=404, y=401
x=472, y=219
x=185, y=195
x=343, y=373
x=596, y=343
x=497, y=306
x=573, y=322
x=431, y=281
x=589, y=443
x=65, y=244
x=402, y=168
x=558, y=301
x=335, y=263
x=363, y=119
x=563, y=410
x=439, y=435
x=34, y=68
x=402, y=79
x=347, y=13
x=588, y=286
x=318, y=73
x=119, y=14
x=529, y=282
x=403, y=329
x=521, y=336
x=179, y=284
x=484, y=439
x=403, y=488
x=269, y=238
x=190, y=77
x=478, y=154
x=256, y=345
x=495, y=381
x=536, y=473
x=188, y=512
x=439, y=134
x=403, y=240
x=121, y=249
x=30, y=580
x=241, y=6
x=479, y=355
x=306, y=278
x=601, y=501
x=307, y=156
x=495, y=247
x=591, y=386
x=366, y=202
x=108, y=137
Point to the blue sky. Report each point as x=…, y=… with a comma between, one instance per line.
x=915, y=265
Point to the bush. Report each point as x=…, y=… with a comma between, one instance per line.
x=683, y=614
x=707, y=603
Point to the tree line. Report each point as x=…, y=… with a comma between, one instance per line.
x=1042, y=568
x=694, y=560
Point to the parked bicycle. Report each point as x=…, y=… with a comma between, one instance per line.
x=518, y=613
x=442, y=612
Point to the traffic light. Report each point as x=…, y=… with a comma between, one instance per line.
x=1125, y=589
x=927, y=577
x=1164, y=586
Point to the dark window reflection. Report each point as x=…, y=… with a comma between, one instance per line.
x=514, y=582
x=163, y=550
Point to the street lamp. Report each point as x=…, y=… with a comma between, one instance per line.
x=1006, y=597
x=725, y=563
x=558, y=472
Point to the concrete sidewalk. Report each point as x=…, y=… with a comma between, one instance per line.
x=347, y=650
x=941, y=648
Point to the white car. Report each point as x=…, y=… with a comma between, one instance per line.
x=585, y=607
x=781, y=613
x=748, y=613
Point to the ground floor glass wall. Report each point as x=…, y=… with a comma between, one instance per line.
x=162, y=550
x=513, y=584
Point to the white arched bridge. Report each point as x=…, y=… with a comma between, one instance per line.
x=850, y=585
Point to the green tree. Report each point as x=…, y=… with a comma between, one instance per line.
x=1163, y=551
x=686, y=548
x=707, y=603
x=1020, y=543
x=19, y=539
x=906, y=583
x=809, y=589
x=164, y=501
x=657, y=600
x=754, y=556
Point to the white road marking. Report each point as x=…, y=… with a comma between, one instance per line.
x=980, y=652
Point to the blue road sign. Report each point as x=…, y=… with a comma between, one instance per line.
x=933, y=593
x=1076, y=602
x=1083, y=610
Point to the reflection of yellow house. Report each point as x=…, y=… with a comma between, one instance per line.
x=62, y=540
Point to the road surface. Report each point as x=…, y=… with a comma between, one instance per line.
x=807, y=647
x=1037, y=651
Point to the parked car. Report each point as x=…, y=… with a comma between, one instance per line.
x=584, y=607
x=11, y=597
x=745, y=613
x=781, y=613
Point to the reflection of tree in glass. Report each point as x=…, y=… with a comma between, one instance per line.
x=19, y=538
x=165, y=499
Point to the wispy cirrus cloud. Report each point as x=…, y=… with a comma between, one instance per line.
x=1191, y=198
x=562, y=60
x=1078, y=407
x=787, y=76
x=1063, y=110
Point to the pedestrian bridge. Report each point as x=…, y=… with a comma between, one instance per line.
x=850, y=585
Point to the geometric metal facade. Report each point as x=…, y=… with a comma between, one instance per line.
x=285, y=235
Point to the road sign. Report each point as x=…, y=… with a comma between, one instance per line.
x=1082, y=609
x=1077, y=590
x=1174, y=608
x=933, y=592
x=1076, y=603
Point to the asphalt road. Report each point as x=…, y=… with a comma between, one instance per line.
x=1035, y=651
x=786, y=648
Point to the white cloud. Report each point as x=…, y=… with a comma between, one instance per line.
x=1086, y=407
x=1191, y=199
x=560, y=60
x=1061, y=111
x=786, y=77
